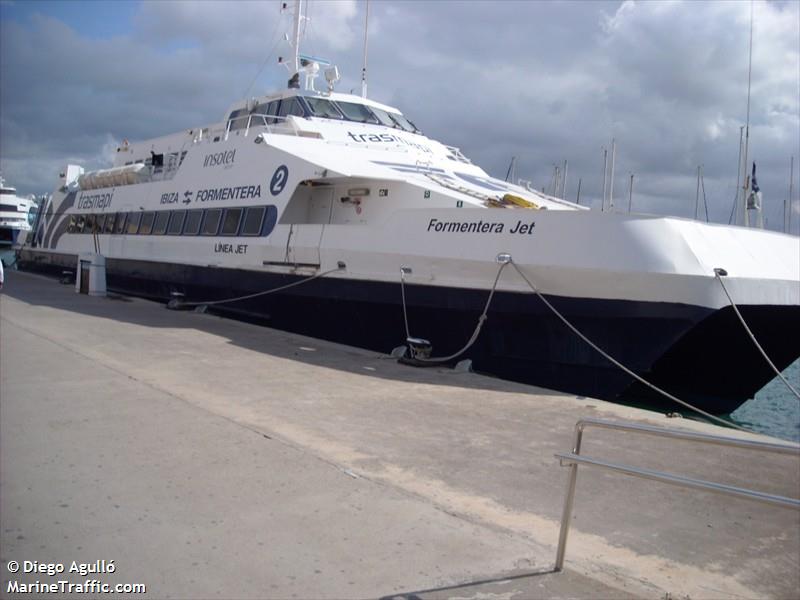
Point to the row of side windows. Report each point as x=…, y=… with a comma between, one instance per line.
x=266, y=113
x=249, y=221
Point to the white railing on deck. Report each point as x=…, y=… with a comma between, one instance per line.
x=456, y=154
x=269, y=123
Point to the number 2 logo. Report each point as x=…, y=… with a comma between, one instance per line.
x=279, y=180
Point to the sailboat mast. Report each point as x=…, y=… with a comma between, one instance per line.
x=510, y=173
x=697, y=195
x=605, y=173
x=746, y=184
x=630, y=195
x=734, y=218
x=788, y=215
x=611, y=183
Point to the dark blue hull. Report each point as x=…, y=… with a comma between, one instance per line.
x=699, y=355
x=8, y=236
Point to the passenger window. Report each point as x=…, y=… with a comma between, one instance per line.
x=81, y=223
x=146, y=226
x=121, y=219
x=72, y=222
x=230, y=224
x=110, y=220
x=88, y=226
x=211, y=222
x=99, y=223
x=193, y=219
x=133, y=222
x=253, y=218
x=162, y=218
x=176, y=222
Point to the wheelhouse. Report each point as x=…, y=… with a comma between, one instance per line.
x=341, y=108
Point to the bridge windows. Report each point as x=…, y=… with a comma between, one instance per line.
x=357, y=112
x=291, y=107
x=324, y=109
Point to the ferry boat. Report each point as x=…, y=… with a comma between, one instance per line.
x=368, y=232
x=14, y=214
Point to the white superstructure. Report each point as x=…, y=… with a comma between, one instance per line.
x=14, y=213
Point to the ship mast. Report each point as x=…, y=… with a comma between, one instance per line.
x=298, y=16
x=364, y=68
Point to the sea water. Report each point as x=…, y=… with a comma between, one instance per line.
x=7, y=255
x=775, y=410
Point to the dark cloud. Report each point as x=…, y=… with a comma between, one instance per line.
x=542, y=81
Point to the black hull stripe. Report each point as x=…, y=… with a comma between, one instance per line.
x=700, y=355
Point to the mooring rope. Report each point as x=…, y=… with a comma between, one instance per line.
x=403, y=294
x=475, y=333
x=718, y=274
x=619, y=364
x=264, y=293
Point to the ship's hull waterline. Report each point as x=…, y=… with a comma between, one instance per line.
x=701, y=355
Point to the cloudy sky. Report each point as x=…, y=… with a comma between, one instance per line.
x=542, y=81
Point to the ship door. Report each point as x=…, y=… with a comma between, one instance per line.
x=305, y=237
x=304, y=242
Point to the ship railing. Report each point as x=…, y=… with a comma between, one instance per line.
x=260, y=123
x=575, y=458
x=456, y=154
x=166, y=171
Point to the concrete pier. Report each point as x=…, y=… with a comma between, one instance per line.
x=211, y=458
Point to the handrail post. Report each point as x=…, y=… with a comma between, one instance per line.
x=566, y=516
x=668, y=478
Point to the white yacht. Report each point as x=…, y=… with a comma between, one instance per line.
x=388, y=234
x=14, y=214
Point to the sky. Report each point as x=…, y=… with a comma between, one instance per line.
x=543, y=82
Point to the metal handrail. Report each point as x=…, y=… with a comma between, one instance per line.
x=458, y=155
x=574, y=458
